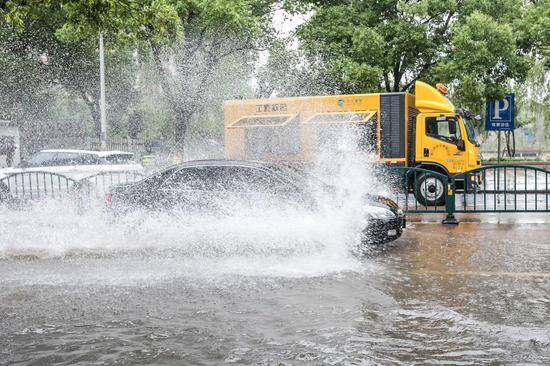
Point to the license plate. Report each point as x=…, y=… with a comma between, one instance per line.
x=392, y=232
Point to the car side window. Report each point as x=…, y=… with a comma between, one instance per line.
x=66, y=158
x=158, y=179
x=87, y=159
x=195, y=178
x=249, y=179
x=443, y=128
x=45, y=158
x=225, y=179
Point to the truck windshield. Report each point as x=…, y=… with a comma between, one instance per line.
x=471, y=131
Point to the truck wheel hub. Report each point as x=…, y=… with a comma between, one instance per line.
x=432, y=188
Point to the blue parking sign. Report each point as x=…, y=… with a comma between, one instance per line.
x=499, y=114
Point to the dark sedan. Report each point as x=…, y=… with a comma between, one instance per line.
x=223, y=186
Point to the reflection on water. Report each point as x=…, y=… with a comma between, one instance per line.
x=480, y=291
x=472, y=294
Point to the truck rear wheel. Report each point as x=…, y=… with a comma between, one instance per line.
x=429, y=190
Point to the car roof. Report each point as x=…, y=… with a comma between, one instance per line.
x=97, y=153
x=223, y=162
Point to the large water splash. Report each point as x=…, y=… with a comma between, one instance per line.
x=274, y=243
x=267, y=241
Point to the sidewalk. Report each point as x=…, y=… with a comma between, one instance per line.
x=493, y=218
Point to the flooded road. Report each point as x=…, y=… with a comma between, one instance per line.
x=478, y=293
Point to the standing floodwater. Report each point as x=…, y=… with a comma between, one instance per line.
x=249, y=290
x=228, y=182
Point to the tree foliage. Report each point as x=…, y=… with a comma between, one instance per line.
x=476, y=46
x=42, y=76
x=187, y=39
x=171, y=63
x=184, y=40
x=289, y=72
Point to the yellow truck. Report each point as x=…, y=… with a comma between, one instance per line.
x=416, y=130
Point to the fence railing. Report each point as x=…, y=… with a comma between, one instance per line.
x=99, y=184
x=502, y=188
x=122, y=145
x=497, y=188
x=86, y=143
x=38, y=185
x=506, y=188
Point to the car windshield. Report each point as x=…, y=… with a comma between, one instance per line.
x=471, y=131
x=43, y=158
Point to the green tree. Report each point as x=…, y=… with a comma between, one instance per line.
x=290, y=72
x=40, y=69
x=534, y=101
x=475, y=46
x=185, y=40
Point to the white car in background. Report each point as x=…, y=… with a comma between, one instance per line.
x=77, y=164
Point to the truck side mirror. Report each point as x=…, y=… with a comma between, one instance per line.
x=461, y=145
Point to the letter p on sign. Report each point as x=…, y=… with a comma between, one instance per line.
x=500, y=108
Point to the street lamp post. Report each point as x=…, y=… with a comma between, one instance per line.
x=103, y=119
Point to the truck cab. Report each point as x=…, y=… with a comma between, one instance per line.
x=445, y=139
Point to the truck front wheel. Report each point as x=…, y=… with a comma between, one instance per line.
x=429, y=190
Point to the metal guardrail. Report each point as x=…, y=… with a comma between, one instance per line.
x=503, y=188
x=98, y=184
x=497, y=188
x=38, y=185
x=506, y=188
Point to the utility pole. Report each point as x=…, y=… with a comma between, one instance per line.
x=498, y=149
x=103, y=119
x=498, y=161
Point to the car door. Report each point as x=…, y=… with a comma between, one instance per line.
x=149, y=192
x=441, y=141
x=190, y=189
x=246, y=188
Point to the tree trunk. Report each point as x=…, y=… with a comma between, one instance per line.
x=387, y=82
x=97, y=122
x=183, y=118
x=182, y=115
x=94, y=111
